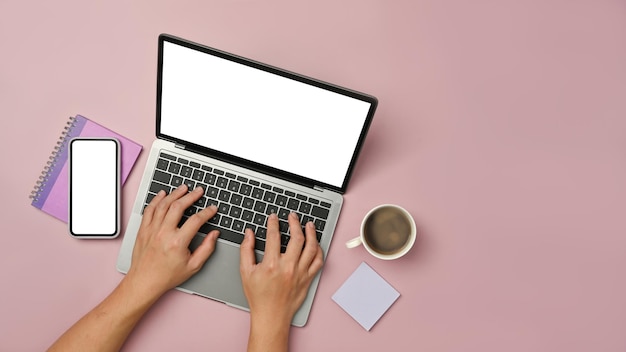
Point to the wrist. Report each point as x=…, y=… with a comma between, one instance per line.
x=269, y=331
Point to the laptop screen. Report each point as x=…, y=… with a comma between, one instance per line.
x=261, y=115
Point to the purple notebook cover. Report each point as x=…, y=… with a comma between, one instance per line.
x=51, y=196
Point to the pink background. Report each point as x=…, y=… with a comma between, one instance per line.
x=501, y=128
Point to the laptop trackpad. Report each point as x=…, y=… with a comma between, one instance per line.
x=219, y=279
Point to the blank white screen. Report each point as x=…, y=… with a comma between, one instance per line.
x=93, y=202
x=259, y=116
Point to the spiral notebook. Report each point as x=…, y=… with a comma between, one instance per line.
x=50, y=193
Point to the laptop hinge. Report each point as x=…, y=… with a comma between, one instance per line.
x=318, y=188
x=179, y=146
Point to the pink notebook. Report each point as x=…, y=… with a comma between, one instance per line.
x=50, y=194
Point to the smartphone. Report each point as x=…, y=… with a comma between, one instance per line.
x=94, y=187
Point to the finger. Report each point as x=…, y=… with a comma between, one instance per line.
x=318, y=261
x=272, y=238
x=148, y=211
x=203, y=252
x=247, y=259
x=164, y=205
x=193, y=224
x=178, y=206
x=310, y=248
x=296, y=241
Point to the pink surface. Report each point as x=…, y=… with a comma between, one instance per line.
x=501, y=128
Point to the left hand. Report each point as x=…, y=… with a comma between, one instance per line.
x=161, y=258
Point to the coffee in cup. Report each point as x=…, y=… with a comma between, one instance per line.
x=387, y=232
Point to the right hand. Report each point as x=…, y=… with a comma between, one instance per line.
x=276, y=287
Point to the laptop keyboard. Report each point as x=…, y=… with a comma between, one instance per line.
x=242, y=202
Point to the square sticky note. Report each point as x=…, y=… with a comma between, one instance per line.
x=366, y=296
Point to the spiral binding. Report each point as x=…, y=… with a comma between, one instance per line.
x=52, y=159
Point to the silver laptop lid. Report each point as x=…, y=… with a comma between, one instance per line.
x=259, y=116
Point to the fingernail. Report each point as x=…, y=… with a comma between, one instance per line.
x=199, y=189
x=273, y=216
x=310, y=224
x=293, y=215
x=213, y=207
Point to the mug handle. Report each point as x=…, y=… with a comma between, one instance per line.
x=355, y=242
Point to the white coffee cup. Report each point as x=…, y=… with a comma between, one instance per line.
x=387, y=232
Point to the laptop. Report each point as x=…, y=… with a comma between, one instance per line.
x=259, y=140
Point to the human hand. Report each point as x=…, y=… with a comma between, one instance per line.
x=276, y=287
x=161, y=258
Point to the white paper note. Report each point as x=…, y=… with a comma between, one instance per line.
x=366, y=296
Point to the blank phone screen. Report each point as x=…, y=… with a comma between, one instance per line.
x=94, y=187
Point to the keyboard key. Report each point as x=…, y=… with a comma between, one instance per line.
x=185, y=171
x=301, y=197
x=314, y=201
x=283, y=226
x=248, y=203
x=304, y=207
x=259, y=245
x=191, y=210
x=283, y=213
x=265, y=186
x=284, y=240
x=176, y=181
x=271, y=209
x=198, y=175
x=277, y=190
x=259, y=219
x=250, y=226
x=167, y=156
x=227, y=235
x=319, y=224
x=233, y=186
x=204, y=187
x=290, y=194
x=162, y=164
x=255, y=183
x=318, y=212
x=155, y=187
x=212, y=192
x=161, y=176
x=242, y=179
x=222, y=182
x=206, y=168
x=238, y=225
x=246, y=190
x=150, y=197
x=305, y=219
x=257, y=193
x=235, y=212
x=218, y=171
x=174, y=168
x=259, y=206
x=247, y=215
x=183, y=161
x=211, y=201
x=224, y=196
x=230, y=175
x=325, y=204
x=293, y=204
x=223, y=208
x=281, y=201
x=215, y=219
x=261, y=232
x=318, y=234
x=194, y=164
x=226, y=222
x=209, y=178
x=190, y=184
x=200, y=202
x=236, y=199
x=269, y=197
